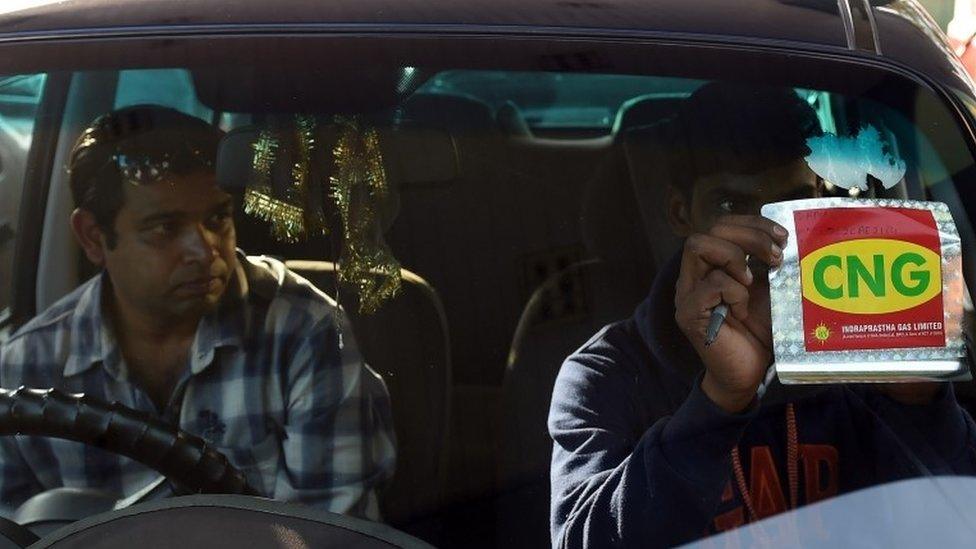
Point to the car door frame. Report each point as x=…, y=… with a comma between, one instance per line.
x=37, y=177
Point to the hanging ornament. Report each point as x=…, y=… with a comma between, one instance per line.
x=359, y=185
x=294, y=216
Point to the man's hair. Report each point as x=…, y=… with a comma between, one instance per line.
x=135, y=145
x=737, y=129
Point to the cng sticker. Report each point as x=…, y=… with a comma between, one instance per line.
x=870, y=278
x=871, y=275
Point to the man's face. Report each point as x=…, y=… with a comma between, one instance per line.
x=723, y=194
x=175, y=249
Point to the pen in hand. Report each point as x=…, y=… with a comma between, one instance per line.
x=721, y=310
x=716, y=320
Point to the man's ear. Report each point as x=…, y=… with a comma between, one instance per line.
x=679, y=212
x=89, y=235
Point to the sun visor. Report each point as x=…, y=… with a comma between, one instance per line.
x=411, y=156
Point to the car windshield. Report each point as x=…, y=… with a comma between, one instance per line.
x=465, y=290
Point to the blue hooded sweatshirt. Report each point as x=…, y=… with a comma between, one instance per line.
x=643, y=458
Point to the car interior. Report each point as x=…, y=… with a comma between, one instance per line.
x=526, y=215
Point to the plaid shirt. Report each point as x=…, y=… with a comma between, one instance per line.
x=274, y=381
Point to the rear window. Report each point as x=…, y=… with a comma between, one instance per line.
x=558, y=100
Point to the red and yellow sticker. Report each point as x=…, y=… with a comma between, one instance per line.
x=871, y=278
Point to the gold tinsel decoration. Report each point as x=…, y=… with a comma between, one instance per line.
x=293, y=217
x=265, y=151
x=358, y=185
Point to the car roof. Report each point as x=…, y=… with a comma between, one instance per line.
x=895, y=30
x=773, y=19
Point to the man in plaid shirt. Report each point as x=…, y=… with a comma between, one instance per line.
x=237, y=350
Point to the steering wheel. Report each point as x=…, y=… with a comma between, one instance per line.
x=185, y=459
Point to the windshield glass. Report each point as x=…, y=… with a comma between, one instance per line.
x=465, y=295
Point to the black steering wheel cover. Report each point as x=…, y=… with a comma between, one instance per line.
x=375, y=531
x=184, y=458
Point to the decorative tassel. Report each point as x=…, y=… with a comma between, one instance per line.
x=358, y=185
x=294, y=217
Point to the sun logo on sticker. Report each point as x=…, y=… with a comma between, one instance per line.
x=821, y=333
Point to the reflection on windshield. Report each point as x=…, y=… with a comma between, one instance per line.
x=473, y=304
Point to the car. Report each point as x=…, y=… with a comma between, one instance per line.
x=524, y=211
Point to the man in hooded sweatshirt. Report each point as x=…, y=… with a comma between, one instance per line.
x=660, y=439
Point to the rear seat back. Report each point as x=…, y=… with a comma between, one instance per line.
x=513, y=206
x=453, y=215
x=623, y=246
x=616, y=272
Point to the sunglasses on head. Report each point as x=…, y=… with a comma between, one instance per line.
x=148, y=149
x=147, y=167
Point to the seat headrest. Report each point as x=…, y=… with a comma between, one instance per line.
x=643, y=111
x=451, y=112
x=511, y=121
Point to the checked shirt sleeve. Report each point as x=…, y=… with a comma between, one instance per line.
x=339, y=444
x=17, y=479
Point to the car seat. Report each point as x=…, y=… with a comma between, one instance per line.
x=406, y=342
x=477, y=237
